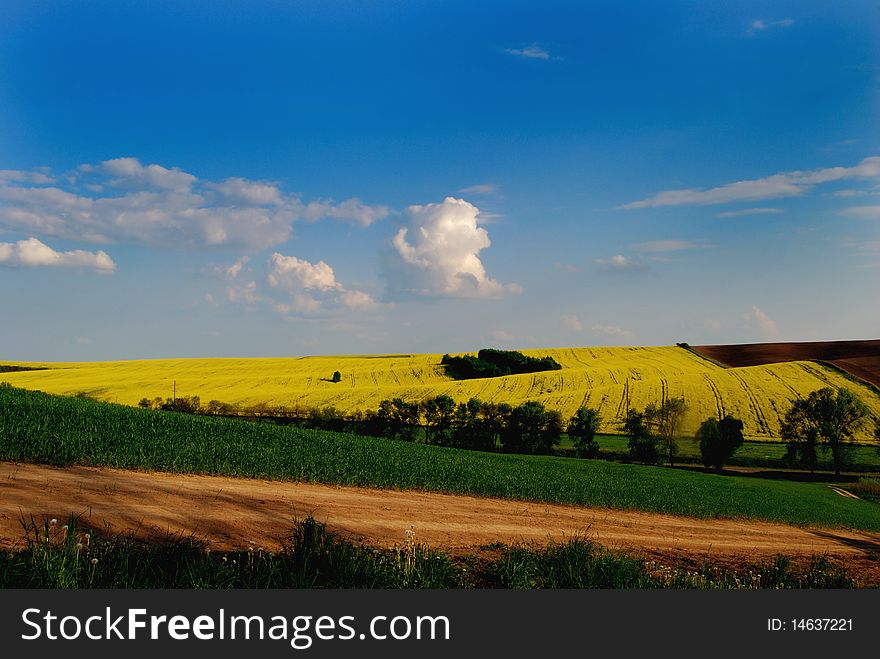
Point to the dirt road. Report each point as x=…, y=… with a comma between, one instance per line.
x=230, y=512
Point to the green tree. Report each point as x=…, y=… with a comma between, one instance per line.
x=642, y=443
x=530, y=428
x=439, y=413
x=666, y=419
x=396, y=419
x=337, y=376
x=719, y=440
x=825, y=418
x=582, y=428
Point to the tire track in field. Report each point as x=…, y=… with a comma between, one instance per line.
x=785, y=384
x=753, y=404
x=622, y=407
x=719, y=404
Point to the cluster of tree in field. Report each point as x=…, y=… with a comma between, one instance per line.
x=654, y=434
x=827, y=420
x=491, y=363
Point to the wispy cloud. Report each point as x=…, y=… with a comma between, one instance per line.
x=786, y=184
x=762, y=25
x=756, y=318
x=850, y=193
x=481, y=189
x=868, y=246
x=532, y=51
x=621, y=263
x=612, y=331
x=233, y=271
x=566, y=267
x=32, y=253
x=862, y=212
x=14, y=175
x=655, y=246
x=122, y=200
x=572, y=323
x=750, y=211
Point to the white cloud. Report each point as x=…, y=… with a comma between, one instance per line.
x=862, y=212
x=786, y=184
x=352, y=210
x=852, y=193
x=750, y=211
x=566, y=267
x=357, y=300
x=480, y=189
x=502, y=335
x=155, y=205
x=572, y=322
x=621, y=263
x=533, y=51
x=18, y=176
x=129, y=172
x=312, y=287
x=245, y=294
x=437, y=254
x=242, y=191
x=761, y=25
x=766, y=325
x=612, y=331
x=293, y=273
x=654, y=246
x=235, y=269
x=32, y=253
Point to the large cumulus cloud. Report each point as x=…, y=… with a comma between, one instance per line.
x=437, y=254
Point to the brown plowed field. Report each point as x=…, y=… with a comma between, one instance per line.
x=230, y=512
x=860, y=358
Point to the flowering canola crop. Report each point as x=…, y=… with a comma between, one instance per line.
x=608, y=379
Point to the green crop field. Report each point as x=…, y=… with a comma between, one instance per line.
x=62, y=431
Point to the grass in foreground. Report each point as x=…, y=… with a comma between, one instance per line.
x=36, y=427
x=65, y=556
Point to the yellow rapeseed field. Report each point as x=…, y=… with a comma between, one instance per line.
x=604, y=378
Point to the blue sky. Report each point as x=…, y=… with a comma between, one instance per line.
x=256, y=178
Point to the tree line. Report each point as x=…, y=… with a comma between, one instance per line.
x=826, y=420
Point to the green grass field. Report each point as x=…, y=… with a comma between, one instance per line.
x=865, y=458
x=49, y=429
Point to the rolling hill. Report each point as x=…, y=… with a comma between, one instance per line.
x=605, y=378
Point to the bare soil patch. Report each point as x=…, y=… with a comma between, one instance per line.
x=229, y=513
x=859, y=358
